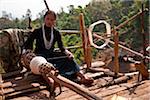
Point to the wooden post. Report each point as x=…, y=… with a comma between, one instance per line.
x=116, y=49
x=88, y=53
x=85, y=43
x=143, y=34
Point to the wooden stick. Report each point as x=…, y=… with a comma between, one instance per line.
x=46, y=5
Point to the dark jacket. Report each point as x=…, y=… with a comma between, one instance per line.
x=40, y=49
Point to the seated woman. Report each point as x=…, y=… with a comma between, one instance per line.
x=46, y=37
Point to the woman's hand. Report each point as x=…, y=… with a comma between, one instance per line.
x=69, y=54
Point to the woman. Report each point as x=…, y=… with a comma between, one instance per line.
x=46, y=37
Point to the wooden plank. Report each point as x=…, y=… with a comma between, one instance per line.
x=139, y=92
x=75, y=97
x=18, y=88
x=40, y=95
x=18, y=93
x=122, y=87
x=20, y=84
x=136, y=91
x=21, y=80
x=22, y=98
x=66, y=94
x=14, y=73
x=30, y=77
x=143, y=97
x=98, y=64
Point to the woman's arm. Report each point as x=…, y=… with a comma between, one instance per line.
x=62, y=48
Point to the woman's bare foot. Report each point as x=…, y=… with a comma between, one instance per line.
x=84, y=79
x=87, y=81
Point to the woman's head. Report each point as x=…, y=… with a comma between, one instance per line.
x=50, y=18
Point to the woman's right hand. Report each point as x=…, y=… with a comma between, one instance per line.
x=69, y=54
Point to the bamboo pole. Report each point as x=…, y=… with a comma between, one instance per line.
x=85, y=42
x=88, y=53
x=116, y=50
x=130, y=19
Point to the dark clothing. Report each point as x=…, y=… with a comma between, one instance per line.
x=37, y=35
x=66, y=67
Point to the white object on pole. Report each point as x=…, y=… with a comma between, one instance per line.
x=108, y=33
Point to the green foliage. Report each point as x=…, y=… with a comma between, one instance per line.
x=74, y=40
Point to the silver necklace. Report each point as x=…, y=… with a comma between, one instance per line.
x=47, y=43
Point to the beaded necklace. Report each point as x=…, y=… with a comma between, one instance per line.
x=47, y=43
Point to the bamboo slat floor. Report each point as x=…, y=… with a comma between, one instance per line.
x=108, y=87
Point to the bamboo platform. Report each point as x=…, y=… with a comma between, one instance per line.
x=106, y=85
